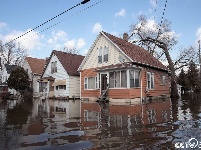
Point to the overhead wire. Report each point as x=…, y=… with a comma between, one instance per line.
x=64, y=20
x=83, y=2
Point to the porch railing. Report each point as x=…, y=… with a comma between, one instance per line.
x=104, y=94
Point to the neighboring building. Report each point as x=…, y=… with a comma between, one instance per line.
x=121, y=71
x=34, y=68
x=4, y=77
x=60, y=77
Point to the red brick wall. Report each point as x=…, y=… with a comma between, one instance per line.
x=88, y=93
x=132, y=92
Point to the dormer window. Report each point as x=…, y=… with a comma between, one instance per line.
x=103, y=54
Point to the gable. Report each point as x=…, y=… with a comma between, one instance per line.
x=119, y=48
x=70, y=62
x=91, y=60
x=59, y=74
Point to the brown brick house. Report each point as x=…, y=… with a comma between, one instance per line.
x=119, y=70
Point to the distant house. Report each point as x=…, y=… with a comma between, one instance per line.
x=121, y=71
x=34, y=68
x=4, y=77
x=60, y=77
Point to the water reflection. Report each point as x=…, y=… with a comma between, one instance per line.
x=59, y=124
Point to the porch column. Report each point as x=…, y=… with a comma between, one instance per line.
x=128, y=79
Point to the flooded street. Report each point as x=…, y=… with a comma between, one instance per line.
x=68, y=124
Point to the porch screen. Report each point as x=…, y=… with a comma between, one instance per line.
x=118, y=79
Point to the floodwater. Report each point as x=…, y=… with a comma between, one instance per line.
x=68, y=124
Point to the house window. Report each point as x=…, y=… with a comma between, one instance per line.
x=150, y=80
x=90, y=83
x=63, y=87
x=103, y=54
x=57, y=87
x=118, y=79
x=163, y=80
x=54, y=67
x=134, y=78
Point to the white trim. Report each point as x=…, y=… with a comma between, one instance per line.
x=80, y=85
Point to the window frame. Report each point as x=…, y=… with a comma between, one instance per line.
x=150, y=81
x=103, y=54
x=86, y=83
x=117, y=81
x=134, y=78
x=53, y=67
x=163, y=80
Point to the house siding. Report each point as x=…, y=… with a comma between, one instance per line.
x=74, y=86
x=61, y=74
x=128, y=93
x=113, y=54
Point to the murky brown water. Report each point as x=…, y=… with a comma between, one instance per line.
x=59, y=124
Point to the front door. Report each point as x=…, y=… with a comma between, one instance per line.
x=103, y=83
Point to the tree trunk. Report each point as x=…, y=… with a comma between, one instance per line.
x=174, y=91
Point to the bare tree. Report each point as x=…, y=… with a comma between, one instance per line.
x=12, y=53
x=72, y=50
x=185, y=56
x=158, y=39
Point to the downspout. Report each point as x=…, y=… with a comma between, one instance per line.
x=80, y=85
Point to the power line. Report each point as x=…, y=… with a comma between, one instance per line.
x=162, y=18
x=64, y=20
x=83, y=2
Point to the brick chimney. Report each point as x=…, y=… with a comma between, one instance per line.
x=125, y=36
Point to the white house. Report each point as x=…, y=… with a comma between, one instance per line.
x=34, y=68
x=60, y=77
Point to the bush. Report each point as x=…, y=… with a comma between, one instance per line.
x=5, y=95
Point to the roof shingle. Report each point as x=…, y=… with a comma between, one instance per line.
x=36, y=65
x=137, y=54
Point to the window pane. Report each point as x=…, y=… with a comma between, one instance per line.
x=152, y=81
x=85, y=83
x=111, y=79
x=131, y=73
x=100, y=55
x=99, y=59
x=117, y=79
x=105, y=52
x=148, y=80
x=123, y=79
x=91, y=83
x=106, y=58
x=137, y=78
